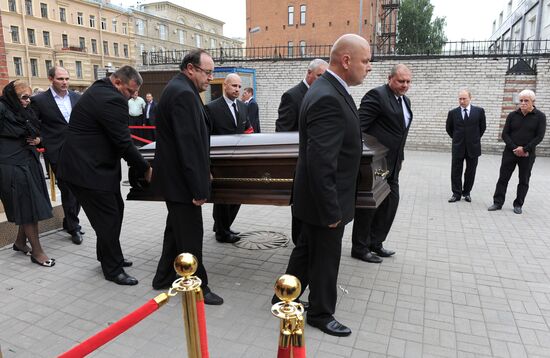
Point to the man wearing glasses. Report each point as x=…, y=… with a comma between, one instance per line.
x=182, y=167
x=523, y=131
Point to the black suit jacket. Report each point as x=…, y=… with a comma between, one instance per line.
x=221, y=118
x=289, y=108
x=254, y=115
x=329, y=154
x=382, y=118
x=52, y=122
x=97, y=138
x=466, y=134
x=152, y=112
x=182, y=163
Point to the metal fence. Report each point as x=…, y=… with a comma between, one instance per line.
x=507, y=48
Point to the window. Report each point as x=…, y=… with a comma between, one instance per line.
x=63, y=15
x=290, y=49
x=163, y=32
x=80, y=18
x=141, y=48
x=44, y=10
x=14, y=34
x=94, y=45
x=140, y=27
x=18, y=64
x=34, y=67
x=291, y=15
x=115, y=49
x=48, y=64
x=65, y=41
x=12, y=5
x=125, y=28
x=28, y=7
x=78, y=69
x=106, y=48
x=61, y=63
x=125, y=50
x=46, y=38
x=114, y=25
x=181, y=36
x=96, y=70
x=302, y=48
x=92, y=21
x=30, y=35
x=303, y=14
x=212, y=43
x=198, y=40
x=82, y=43
x=103, y=23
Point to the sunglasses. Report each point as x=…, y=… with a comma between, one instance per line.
x=25, y=97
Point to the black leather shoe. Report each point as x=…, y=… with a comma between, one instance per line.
x=517, y=209
x=333, y=328
x=367, y=257
x=230, y=239
x=382, y=252
x=123, y=279
x=494, y=207
x=210, y=298
x=127, y=263
x=234, y=232
x=468, y=198
x=76, y=237
x=453, y=199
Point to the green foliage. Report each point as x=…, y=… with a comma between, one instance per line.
x=416, y=32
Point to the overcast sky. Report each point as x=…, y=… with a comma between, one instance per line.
x=466, y=19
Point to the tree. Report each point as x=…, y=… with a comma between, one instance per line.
x=416, y=32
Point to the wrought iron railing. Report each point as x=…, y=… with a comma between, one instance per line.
x=508, y=48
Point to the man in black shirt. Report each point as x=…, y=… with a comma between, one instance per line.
x=523, y=131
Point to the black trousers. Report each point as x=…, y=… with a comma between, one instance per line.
x=137, y=121
x=105, y=210
x=315, y=261
x=457, y=164
x=183, y=233
x=150, y=133
x=71, y=207
x=372, y=226
x=507, y=167
x=224, y=215
x=296, y=229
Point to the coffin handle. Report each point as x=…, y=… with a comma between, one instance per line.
x=381, y=173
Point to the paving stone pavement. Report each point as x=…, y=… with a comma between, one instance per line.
x=464, y=283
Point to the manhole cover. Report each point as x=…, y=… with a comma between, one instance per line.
x=261, y=240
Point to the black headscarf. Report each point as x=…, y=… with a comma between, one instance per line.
x=25, y=116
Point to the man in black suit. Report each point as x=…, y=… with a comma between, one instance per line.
x=150, y=112
x=182, y=167
x=252, y=106
x=227, y=115
x=386, y=114
x=289, y=110
x=326, y=175
x=465, y=125
x=523, y=130
x=291, y=100
x=53, y=109
x=89, y=162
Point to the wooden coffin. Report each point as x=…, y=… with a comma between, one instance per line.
x=259, y=169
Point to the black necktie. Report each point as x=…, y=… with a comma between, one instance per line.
x=236, y=113
x=465, y=114
x=400, y=100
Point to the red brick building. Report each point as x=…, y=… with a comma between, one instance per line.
x=305, y=23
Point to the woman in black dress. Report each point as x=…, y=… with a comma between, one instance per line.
x=22, y=186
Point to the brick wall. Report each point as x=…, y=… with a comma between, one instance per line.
x=433, y=93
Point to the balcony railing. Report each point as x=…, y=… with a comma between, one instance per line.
x=508, y=48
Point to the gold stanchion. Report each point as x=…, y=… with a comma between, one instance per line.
x=291, y=335
x=190, y=287
x=53, y=195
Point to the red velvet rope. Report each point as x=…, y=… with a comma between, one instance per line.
x=109, y=333
x=283, y=352
x=201, y=316
x=249, y=130
x=146, y=141
x=299, y=352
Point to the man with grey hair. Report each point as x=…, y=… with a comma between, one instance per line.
x=523, y=130
x=289, y=108
x=89, y=163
